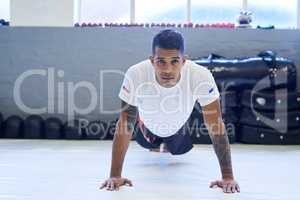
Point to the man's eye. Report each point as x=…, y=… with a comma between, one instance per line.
x=161, y=62
x=175, y=61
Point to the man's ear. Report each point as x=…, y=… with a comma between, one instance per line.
x=185, y=57
x=151, y=58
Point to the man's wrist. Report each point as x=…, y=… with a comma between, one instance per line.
x=227, y=178
x=227, y=174
x=115, y=175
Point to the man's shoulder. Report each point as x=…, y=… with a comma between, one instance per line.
x=139, y=72
x=196, y=69
x=140, y=66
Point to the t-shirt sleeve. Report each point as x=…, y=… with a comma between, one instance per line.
x=127, y=90
x=205, y=89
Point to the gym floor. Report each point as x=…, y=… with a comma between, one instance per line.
x=69, y=170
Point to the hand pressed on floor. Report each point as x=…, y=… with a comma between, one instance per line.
x=228, y=186
x=115, y=183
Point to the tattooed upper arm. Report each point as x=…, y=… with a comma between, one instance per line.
x=130, y=113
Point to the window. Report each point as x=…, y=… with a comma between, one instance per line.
x=215, y=11
x=117, y=11
x=158, y=11
x=4, y=10
x=282, y=14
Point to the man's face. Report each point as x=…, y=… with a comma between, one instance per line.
x=167, y=64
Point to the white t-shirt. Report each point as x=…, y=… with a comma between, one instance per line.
x=165, y=110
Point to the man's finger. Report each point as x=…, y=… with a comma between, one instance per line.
x=108, y=185
x=224, y=188
x=111, y=183
x=117, y=187
x=103, y=185
x=220, y=184
x=228, y=188
x=128, y=182
x=237, y=188
x=233, y=188
x=212, y=184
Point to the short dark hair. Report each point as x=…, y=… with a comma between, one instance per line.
x=168, y=39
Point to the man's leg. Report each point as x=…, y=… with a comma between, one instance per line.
x=180, y=142
x=177, y=144
x=148, y=140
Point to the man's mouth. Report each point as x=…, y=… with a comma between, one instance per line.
x=167, y=78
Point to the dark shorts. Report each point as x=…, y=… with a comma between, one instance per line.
x=177, y=144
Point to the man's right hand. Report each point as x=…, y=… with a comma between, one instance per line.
x=114, y=183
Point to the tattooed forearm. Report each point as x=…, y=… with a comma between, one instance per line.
x=222, y=150
x=131, y=112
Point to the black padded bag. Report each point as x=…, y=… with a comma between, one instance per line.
x=267, y=100
x=247, y=71
x=228, y=99
x=254, y=135
x=290, y=119
x=235, y=84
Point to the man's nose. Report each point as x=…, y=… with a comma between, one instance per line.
x=167, y=69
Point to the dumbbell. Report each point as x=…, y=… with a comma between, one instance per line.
x=74, y=129
x=1, y=122
x=53, y=128
x=34, y=127
x=13, y=127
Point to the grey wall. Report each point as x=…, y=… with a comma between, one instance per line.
x=42, y=13
x=82, y=52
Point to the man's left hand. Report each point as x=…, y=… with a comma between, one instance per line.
x=228, y=186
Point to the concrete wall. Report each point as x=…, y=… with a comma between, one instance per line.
x=42, y=12
x=298, y=14
x=82, y=53
x=4, y=10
